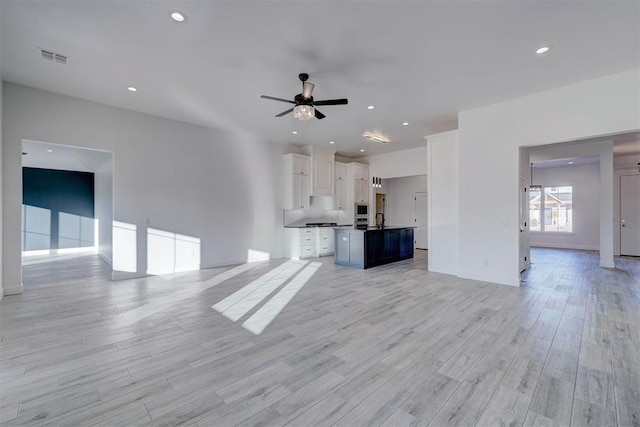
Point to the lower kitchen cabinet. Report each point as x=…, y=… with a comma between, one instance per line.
x=324, y=241
x=372, y=247
x=308, y=242
x=300, y=242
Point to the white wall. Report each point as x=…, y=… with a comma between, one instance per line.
x=492, y=135
x=1, y=169
x=103, y=184
x=442, y=196
x=1, y=173
x=398, y=163
x=585, y=180
x=400, y=209
x=223, y=188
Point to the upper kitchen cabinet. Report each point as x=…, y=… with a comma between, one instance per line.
x=340, y=171
x=301, y=164
x=322, y=171
x=340, y=186
x=361, y=192
x=358, y=183
x=360, y=172
x=322, y=177
x=297, y=181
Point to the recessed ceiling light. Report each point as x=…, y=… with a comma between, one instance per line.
x=49, y=151
x=331, y=142
x=543, y=49
x=371, y=107
x=570, y=163
x=295, y=132
x=362, y=149
x=132, y=89
x=178, y=16
x=405, y=124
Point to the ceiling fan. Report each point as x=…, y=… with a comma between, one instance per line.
x=304, y=108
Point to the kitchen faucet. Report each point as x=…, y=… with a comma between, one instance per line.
x=381, y=222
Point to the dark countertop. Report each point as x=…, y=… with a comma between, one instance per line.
x=304, y=225
x=386, y=227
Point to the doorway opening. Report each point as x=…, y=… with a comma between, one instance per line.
x=67, y=204
x=581, y=195
x=381, y=200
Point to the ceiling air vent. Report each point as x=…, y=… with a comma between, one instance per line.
x=53, y=56
x=61, y=59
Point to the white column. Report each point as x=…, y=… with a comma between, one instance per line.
x=606, y=204
x=442, y=202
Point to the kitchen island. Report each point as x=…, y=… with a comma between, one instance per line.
x=365, y=248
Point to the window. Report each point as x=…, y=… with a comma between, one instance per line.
x=552, y=213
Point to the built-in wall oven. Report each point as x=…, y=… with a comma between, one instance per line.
x=361, y=215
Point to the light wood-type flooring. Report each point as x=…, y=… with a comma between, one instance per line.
x=394, y=345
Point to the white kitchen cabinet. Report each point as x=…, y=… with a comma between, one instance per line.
x=324, y=241
x=297, y=181
x=360, y=173
x=340, y=171
x=301, y=164
x=322, y=177
x=301, y=195
x=300, y=242
x=361, y=192
x=340, y=194
x=358, y=185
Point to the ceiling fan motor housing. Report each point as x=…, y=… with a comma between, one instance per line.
x=301, y=100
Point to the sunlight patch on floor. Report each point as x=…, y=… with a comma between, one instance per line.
x=245, y=299
x=242, y=301
x=268, y=312
x=162, y=303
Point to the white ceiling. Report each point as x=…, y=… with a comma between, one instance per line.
x=416, y=61
x=62, y=157
x=626, y=152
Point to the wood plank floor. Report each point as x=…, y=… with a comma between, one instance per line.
x=394, y=345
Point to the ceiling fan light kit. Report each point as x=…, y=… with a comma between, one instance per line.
x=304, y=108
x=304, y=112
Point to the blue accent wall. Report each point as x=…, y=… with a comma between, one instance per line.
x=66, y=194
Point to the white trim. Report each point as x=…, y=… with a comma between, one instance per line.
x=565, y=246
x=13, y=290
x=552, y=233
x=124, y=275
x=606, y=264
x=106, y=259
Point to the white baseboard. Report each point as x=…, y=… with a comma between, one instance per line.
x=106, y=259
x=13, y=290
x=565, y=246
x=123, y=275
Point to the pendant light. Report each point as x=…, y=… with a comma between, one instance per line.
x=532, y=186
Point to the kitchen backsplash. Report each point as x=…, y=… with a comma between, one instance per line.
x=320, y=211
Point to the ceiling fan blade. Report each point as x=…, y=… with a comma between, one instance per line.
x=332, y=102
x=319, y=115
x=307, y=89
x=284, y=113
x=277, y=99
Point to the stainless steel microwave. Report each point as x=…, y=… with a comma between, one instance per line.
x=362, y=209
